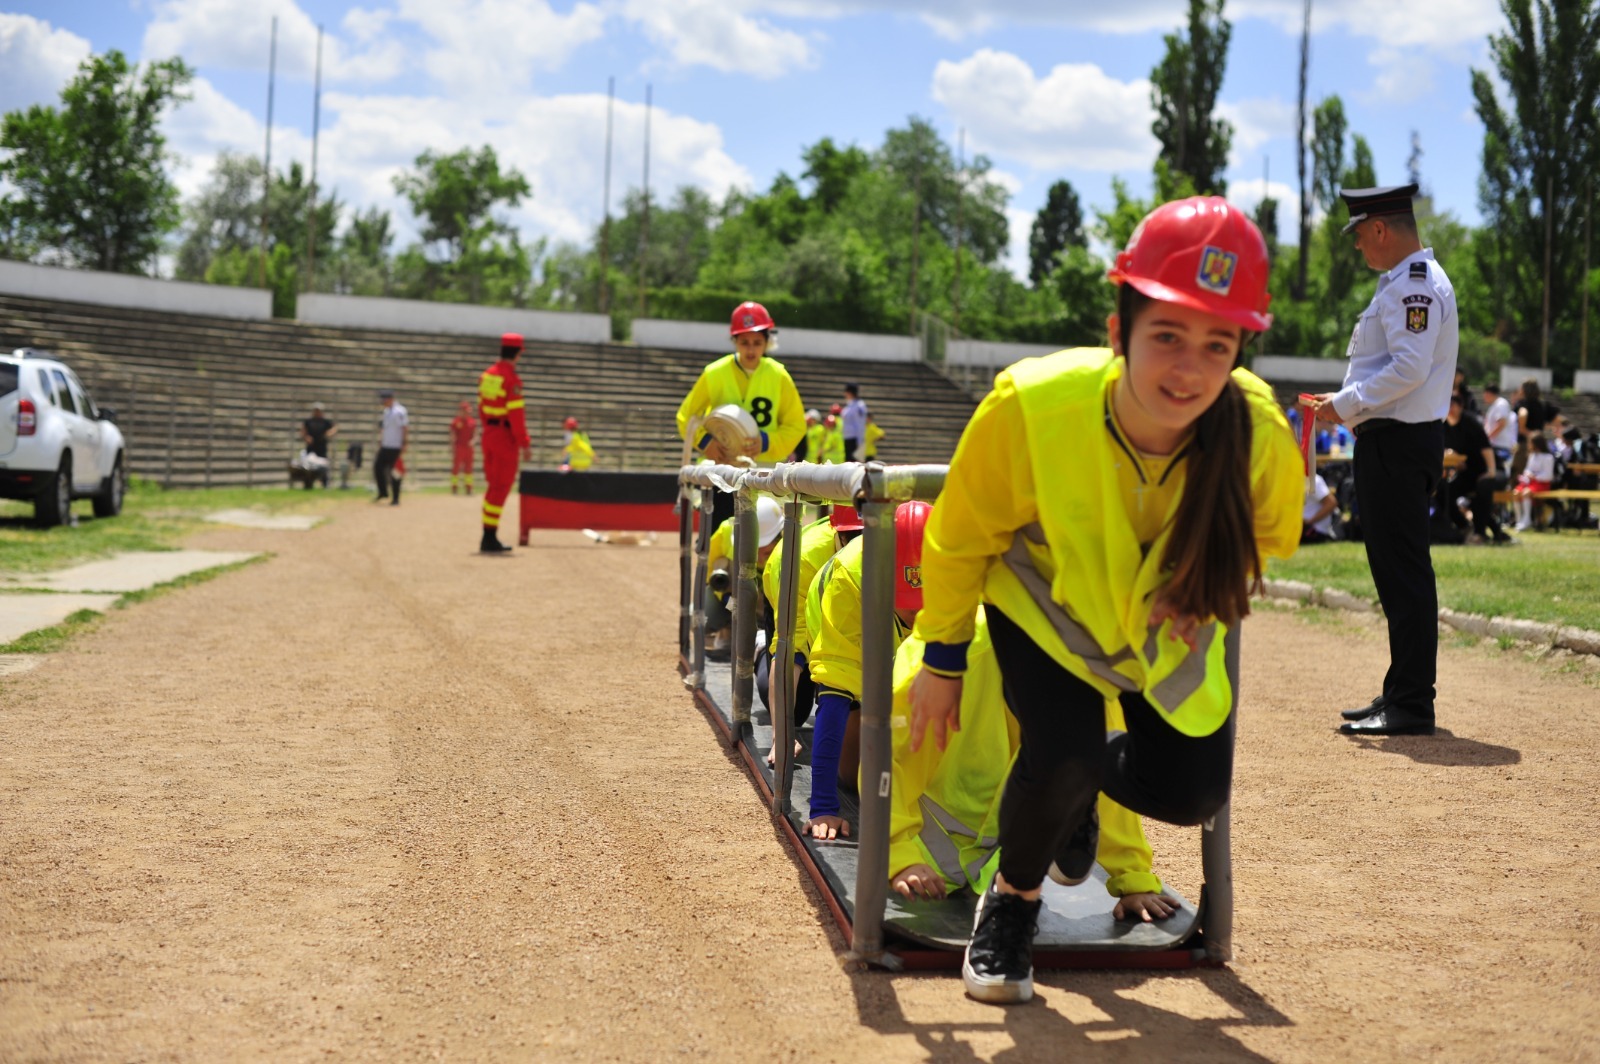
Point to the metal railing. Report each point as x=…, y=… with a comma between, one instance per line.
x=875, y=490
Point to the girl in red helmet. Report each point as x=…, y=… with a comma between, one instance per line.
x=577, y=453
x=1111, y=509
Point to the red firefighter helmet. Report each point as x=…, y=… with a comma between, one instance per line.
x=570, y=423
x=845, y=519
x=910, y=519
x=1202, y=253
x=751, y=317
x=511, y=340
x=835, y=409
x=829, y=421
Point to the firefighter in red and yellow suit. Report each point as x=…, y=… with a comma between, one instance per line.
x=463, y=427
x=505, y=433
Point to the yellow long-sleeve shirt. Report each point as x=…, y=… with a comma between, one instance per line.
x=768, y=394
x=818, y=542
x=1042, y=456
x=834, y=607
x=944, y=805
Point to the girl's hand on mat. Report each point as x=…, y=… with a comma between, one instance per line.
x=828, y=827
x=1185, y=627
x=919, y=881
x=1145, y=907
x=935, y=700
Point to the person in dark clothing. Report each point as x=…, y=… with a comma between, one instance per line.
x=1532, y=410
x=317, y=430
x=1469, y=402
x=1477, y=480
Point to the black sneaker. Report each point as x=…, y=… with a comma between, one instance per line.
x=1075, y=860
x=999, y=963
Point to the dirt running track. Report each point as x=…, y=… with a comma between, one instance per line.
x=381, y=799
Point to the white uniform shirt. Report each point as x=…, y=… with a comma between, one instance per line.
x=1403, y=350
x=1504, y=438
x=855, y=419
x=1314, y=497
x=392, y=425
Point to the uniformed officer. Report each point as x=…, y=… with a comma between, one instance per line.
x=505, y=433
x=1396, y=394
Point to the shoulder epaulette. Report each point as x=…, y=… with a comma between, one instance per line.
x=1419, y=269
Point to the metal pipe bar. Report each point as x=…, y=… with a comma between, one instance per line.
x=746, y=536
x=833, y=483
x=685, y=510
x=877, y=693
x=782, y=671
x=1216, y=843
x=697, y=621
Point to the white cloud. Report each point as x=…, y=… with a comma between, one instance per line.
x=210, y=124
x=1397, y=25
x=1020, y=230
x=1247, y=195
x=720, y=36
x=486, y=47
x=1075, y=117
x=36, y=61
x=237, y=35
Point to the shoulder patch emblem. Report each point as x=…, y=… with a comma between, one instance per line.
x=912, y=575
x=1410, y=300
x=1419, y=269
x=1416, y=319
x=1216, y=270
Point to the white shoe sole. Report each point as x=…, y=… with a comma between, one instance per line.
x=1058, y=876
x=995, y=990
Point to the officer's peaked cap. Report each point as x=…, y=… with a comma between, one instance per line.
x=1367, y=203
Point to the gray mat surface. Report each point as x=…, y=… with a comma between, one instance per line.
x=1073, y=918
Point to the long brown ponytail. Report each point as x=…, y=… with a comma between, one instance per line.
x=1212, y=551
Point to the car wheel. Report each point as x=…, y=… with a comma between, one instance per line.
x=53, y=506
x=108, y=502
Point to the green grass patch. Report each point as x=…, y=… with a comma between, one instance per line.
x=45, y=640
x=187, y=580
x=1548, y=577
x=151, y=519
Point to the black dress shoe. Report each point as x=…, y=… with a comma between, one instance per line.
x=1365, y=711
x=1390, y=720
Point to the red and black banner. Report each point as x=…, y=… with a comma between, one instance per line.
x=605, y=502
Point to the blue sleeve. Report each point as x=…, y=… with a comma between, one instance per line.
x=947, y=659
x=833, y=714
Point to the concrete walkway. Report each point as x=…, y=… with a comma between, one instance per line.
x=132, y=571
x=272, y=522
x=23, y=613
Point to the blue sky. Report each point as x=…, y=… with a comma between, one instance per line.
x=1046, y=88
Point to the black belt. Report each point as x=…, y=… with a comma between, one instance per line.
x=496, y=421
x=1377, y=423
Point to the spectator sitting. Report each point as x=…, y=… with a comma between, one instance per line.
x=1535, y=479
x=1469, y=404
x=1532, y=410
x=1474, y=484
x=1316, y=522
x=1500, y=425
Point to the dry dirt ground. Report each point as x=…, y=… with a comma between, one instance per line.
x=379, y=798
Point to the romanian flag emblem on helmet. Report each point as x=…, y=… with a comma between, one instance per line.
x=912, y=575
x=1216, y=270
x=749, y=321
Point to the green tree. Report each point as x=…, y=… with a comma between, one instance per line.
x=90, y=177
x=831, y=169
x=1058, y=226
x=467, y=253
x=1183, y=91
x=224, y=216
x=363, y=265
x=1539, y=149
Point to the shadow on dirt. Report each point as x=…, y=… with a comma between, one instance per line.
x=1445, y=749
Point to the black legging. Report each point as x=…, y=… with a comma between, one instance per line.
x=1066, y=758
x=805, y=693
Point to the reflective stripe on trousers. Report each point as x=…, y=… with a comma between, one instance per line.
x=938, y=824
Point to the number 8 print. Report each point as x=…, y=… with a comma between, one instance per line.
x=761, y=410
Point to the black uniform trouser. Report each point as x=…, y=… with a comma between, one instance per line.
x=1397, y=469
x=1485, y=516
x=1067, y=759
x=383, y=472
x=852, y=449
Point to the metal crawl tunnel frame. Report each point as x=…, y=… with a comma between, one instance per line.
x=1076, y=928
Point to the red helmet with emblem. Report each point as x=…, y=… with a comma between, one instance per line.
x=751, y=317
x=845, y=519
x=910, y=520
x=570, y=423
x=1202, y=253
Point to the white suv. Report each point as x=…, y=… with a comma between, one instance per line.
x=55, y=444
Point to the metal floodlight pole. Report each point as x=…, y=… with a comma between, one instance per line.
x=311, y=214
x=266, y=183
x=782, y=668
x=877, y=694
x=605, y=224
x=1216, y=844
x=644, y=227
x=746, y=533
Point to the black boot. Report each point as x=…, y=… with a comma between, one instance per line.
x=491, y=543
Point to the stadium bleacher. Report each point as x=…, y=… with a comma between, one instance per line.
x=207, y=401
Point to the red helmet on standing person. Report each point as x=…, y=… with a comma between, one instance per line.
x=570, y=423
x=751, y=317
x=910, y=520
x=511, y=340
x=1202, y=253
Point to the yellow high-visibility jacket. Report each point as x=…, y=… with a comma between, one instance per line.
x=1038, y=516
x=833, y=616
x=944, y=806
x=817, y=545
x=832, y=447
x=721, y=546
x=768, y=394
x=869, y=442
x=814, y=443
x=580, y=453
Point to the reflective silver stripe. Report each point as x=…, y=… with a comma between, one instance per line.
x=937, y=843
x=1188, y=677
x=1078, y=640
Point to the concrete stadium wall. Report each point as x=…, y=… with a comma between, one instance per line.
x=416, y=315
x=993, y=354
x=1300, y=370
x=129, y=290
x=1587, y=382
x=806, y=343
x=1511, y=378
